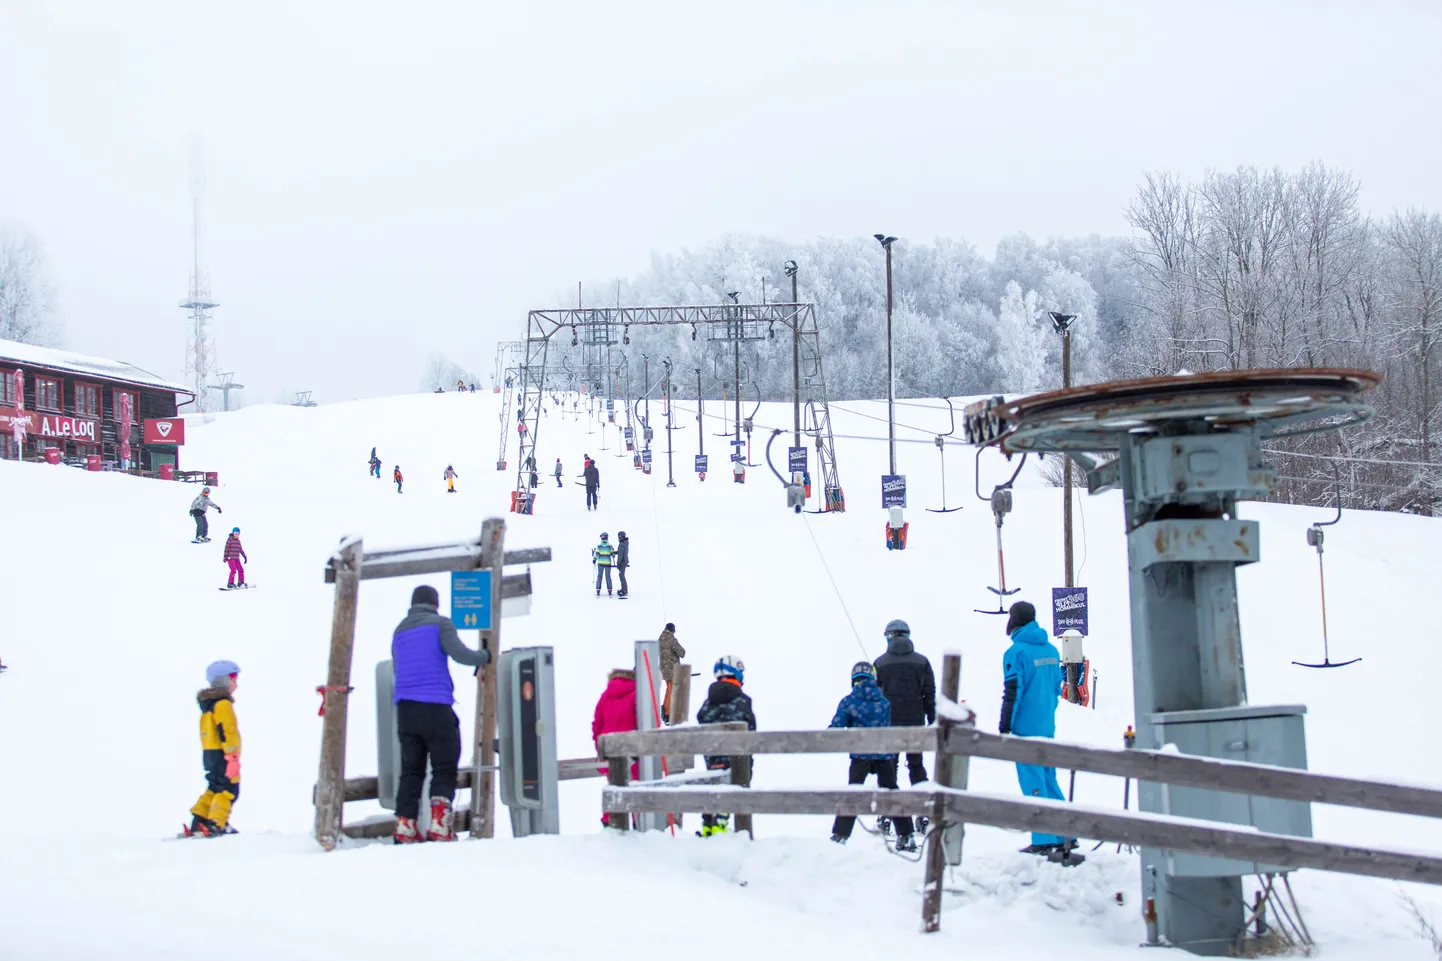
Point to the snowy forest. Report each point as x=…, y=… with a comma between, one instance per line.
x=1248, y=268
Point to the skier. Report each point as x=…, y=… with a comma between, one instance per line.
x=450, y=475
x=1032, y=675
x=461, y=386
x=425, y=720
x=198, y=507
x=219, y=752
x=671, y=654
x=866, y=706
x=593, y=485
x=725, y=701
x=623, y=560
x=397, y=478
x=473, y=388
x=601, y=556
x=558, y=472
x=234, y=554
x=375, y=464
x=905, y=677
x=531, y=467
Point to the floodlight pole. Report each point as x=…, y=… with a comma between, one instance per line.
x=735, y=326
x=886, y=242
x=670, y=476
x=1063, y=324
x=791, y=270
x=700, y=415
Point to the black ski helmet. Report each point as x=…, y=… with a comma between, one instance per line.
x=605, y=536
x=620, y=535
x=862, y=669
x=897, y=626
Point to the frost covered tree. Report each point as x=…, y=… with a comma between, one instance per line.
x=26, y=305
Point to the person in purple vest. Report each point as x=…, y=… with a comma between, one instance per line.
x=425, y=719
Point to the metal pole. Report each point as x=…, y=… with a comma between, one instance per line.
x=1066, y=516
x=670, y=476
x=700, y=415
x=890, y=370
x=795, y=368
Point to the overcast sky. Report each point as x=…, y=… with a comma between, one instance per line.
x=388, y=180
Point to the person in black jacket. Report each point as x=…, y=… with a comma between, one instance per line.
x=593, y=484
x=623, y=560
x=725, y=701
x=905, y=677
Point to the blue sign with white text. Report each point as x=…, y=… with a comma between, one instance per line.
x=796, y=460
x=646, y=456
x=1068, y=610
x=893, y=490
x=471, y=600
x=701, y=463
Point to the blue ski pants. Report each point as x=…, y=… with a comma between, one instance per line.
x=603, y=570
x=1040, y=782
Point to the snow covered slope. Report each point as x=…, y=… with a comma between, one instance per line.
x=111, y=615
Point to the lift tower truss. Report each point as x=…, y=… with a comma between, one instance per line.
x=1187, y=449
x=595, y=329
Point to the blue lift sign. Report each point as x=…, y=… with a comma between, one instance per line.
x=471, y=600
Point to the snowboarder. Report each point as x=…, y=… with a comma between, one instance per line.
x=671, y=654
x=905, y=677
x=623, y=560
x=198, y=507
x=234, y=554
x=450, y=475
x=425, y=720
x=397, y=478
x=375, y=465
x=1032, y=682
x=558, y=473
x=219, y=752
x=725, y=701
x=602, y=555
x=866, y=706
x=593, y=485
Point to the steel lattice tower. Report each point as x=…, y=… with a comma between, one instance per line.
x=200, y=363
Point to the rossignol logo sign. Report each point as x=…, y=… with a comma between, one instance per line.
x=166, y=431
x=54, y=425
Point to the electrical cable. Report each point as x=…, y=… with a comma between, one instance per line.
x=1353, y=460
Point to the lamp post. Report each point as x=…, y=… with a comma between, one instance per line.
x=735, y=330
x=791, y=270
x=886, y=242
x=670, y=475
x=1063, y=323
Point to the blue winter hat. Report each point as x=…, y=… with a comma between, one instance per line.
x=235, y=530
x=217, y=671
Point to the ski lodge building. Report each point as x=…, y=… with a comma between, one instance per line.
x=62, y=407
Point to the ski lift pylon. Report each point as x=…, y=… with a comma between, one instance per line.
x=1315, y=538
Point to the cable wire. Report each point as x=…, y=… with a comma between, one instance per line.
x=827, y=567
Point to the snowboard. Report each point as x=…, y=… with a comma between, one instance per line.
x=238, y=587
x=201, y=540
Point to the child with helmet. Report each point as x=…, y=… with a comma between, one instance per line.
x=219, y=752
x=601, y=556
x=198, y=507
x=234, y=554
x=866, y=706
x=725, y=701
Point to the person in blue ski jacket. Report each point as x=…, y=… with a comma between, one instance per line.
x=1032, y=675
x=866, y=706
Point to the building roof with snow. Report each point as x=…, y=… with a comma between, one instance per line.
x=72, y=363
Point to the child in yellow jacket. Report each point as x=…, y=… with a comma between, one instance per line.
x=220, y=752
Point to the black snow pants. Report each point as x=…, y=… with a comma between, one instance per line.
x=591, y=500
x=202, y=526
x=621, y=573
x=426, y=730
x=885, y=771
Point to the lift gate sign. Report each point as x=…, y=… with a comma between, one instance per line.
x=471, y=600
x=1068, y=610
x=893, y=490
x=646, y=456
x=796, y=460
x=701, y=463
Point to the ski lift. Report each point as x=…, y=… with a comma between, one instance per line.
x=746, y=424
x=941, y=449
x=1000, y=506
x=1314, y=539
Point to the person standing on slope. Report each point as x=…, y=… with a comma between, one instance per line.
x=616, y=711
x=375, y=464
x=219, y=752
x=593, y=485
x=234, y=554
x=425, y=720
x=905, y=677
x=1032, y=682
x=602, y=555
x=450, y=475
x=198, y=507
x=725, y=701
x=866, y=706
x=531, y=468
x=397, y=478
x=558, y=472
x=671, y=654
x=623, y=561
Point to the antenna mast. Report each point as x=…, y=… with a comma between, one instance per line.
x=200, y=363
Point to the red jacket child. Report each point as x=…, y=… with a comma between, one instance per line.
x=233, y=555
x=616, y=710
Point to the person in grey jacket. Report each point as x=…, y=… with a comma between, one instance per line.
x=198, y=507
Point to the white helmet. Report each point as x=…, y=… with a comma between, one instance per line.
x=729, y=666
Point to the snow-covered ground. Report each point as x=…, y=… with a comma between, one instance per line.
x=111, y=615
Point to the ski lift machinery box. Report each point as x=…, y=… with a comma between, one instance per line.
x=1259, y=735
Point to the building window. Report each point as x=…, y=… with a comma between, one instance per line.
x=87, y=400
x=9, y=450
x=47, y=393
x=134, y=406
x=7, y=388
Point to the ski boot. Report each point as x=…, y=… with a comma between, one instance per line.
x=598, y=592
x=406, y=831
x=922, y=823
x=1065, y=854
x=714, y=824
x=883, y=824
x=1040, y=850
x=201, y=827
x=906, y=843
x=441, y=821
x=838, y=839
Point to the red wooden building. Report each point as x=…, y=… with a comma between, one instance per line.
x=78, y=407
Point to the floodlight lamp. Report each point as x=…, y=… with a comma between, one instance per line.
x=771, y=331
x=1062, y=321
x=734, y=294
x=884, y=240
x=790, y=267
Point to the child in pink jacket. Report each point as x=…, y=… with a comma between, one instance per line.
x=616, y=710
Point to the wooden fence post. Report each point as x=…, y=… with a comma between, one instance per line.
x=483, y=790
x=741, y=776
x=330, y=787
x=618, y=774
x=946, y=770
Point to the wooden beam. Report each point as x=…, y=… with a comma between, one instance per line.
x=571, y=769
x=618, y=775
x=946, y=771
x=703, y=740
x=410, y=561
x=731, y=800
x=483, y=792
x=1212, y=773
x=330, y=791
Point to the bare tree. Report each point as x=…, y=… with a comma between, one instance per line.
x=26, y=305
x=443, y=373
x=1415, y=239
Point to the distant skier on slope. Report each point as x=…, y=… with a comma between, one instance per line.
x=906, y=678
x=601, y=556
x=558, y=473
x=671, y=654
x=219, y=752
x=450, y=475
x=623, y=561
x=397, y=478
x=198, y=507
x=234, y=554
x=375, y=464
x=725, y=701
x=531, y=468
x=866, y=706
x=593, y=485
